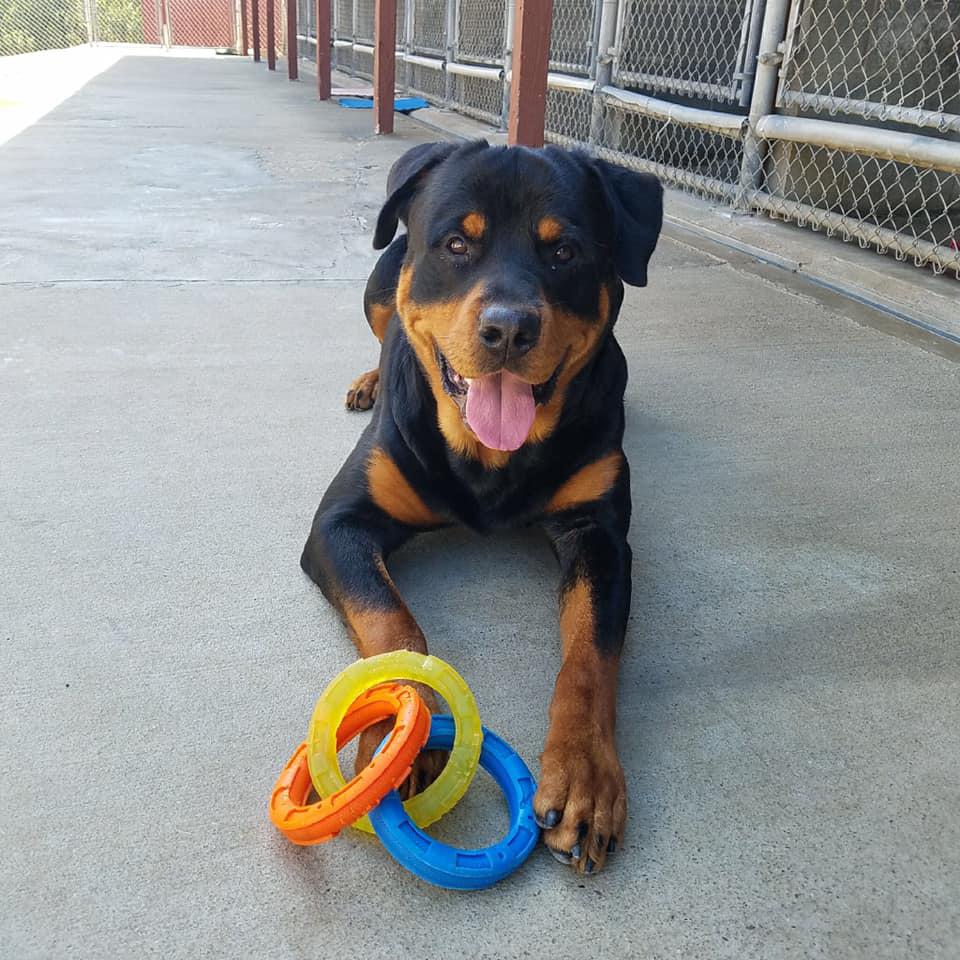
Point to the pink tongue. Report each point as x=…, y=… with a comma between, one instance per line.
x=500, y=410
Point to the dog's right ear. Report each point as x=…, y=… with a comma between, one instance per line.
x=405, y=177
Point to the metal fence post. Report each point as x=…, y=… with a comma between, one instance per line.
x=324, y=32
x=255, y=28
x=764, y=93
x=407, y=42
x=451, y=48
x=271, y=36
x=166, y=26
x=384, y=63
x=603, y=58
x=528, y=81
x=293, y=54
x=90, y=20
x=510, y=14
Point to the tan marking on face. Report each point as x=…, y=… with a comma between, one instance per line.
x=474, y=225
x=391, y=492
x=588, y=484
x=378, y=316
x=575, y=338
x=549, y=230
x=451, y=325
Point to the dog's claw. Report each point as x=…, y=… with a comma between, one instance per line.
x=560, y=856
x=549, y=821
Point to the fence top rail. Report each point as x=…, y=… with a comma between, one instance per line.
x=729, y=124
x=871, y=110
x=911, y=148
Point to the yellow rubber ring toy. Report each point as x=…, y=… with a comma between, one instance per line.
x=444, y=793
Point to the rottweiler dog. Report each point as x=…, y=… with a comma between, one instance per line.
x=499, y=403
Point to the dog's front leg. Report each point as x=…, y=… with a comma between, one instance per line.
x=581, y=801
x=345, y=555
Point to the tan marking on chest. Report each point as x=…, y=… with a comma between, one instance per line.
x=379, y=316
x=588, y=484
x=391, y=492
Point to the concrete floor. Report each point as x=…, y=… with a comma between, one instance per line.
x=183, y=245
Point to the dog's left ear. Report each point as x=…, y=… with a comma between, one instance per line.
x=636, y=203
x=402, y=182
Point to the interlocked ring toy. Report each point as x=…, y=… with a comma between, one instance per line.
x=365, y=693
x=305, y=823
x=444, y=793
x=452, y=867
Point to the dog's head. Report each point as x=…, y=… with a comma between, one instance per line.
x=514, y=273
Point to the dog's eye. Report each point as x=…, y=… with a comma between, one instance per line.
x=457, y=246
x=563, y=253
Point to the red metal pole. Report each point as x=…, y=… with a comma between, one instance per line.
x=271, y=36
x=528, y=84
x=244, y=34
x=324, y=63
x=255, y=17
x=384, y=64
x=293, y=53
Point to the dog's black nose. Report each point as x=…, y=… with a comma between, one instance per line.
x=509, y=331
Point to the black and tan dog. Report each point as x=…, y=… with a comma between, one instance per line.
x=499, y=403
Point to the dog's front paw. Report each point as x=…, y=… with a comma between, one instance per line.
x=363, y=391
x=426, y=768
x=428, y=764
x=581, y=802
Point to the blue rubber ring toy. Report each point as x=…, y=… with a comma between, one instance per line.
x=452, y=867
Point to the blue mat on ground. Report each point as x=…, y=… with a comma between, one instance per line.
x=400, y=104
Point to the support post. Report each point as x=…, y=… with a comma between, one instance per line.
x=244, y=31
x=510, y=13
x=255, y=28
x=528, y=83
x=603, y=64
x=293, y=53
x=271, y=35
x=324, y=32
x=90, y=19
x=384, y=64
x=451, y=49
x=764, y=94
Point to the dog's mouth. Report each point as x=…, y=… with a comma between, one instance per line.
x=499, y=407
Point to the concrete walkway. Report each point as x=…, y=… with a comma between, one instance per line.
x=183, y=245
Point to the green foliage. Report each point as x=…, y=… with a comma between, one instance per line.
x=29, y=25
x=119, y=21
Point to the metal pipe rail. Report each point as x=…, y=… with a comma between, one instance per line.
x=871, y=110
x=911, y=148
x=726, y=124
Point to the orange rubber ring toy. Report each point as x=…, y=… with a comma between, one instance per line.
x=307, y=824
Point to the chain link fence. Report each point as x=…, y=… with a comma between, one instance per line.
x=885, y=61
x=695, y=48
x=28, y=26
x=840, y=116
x=855, y=131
